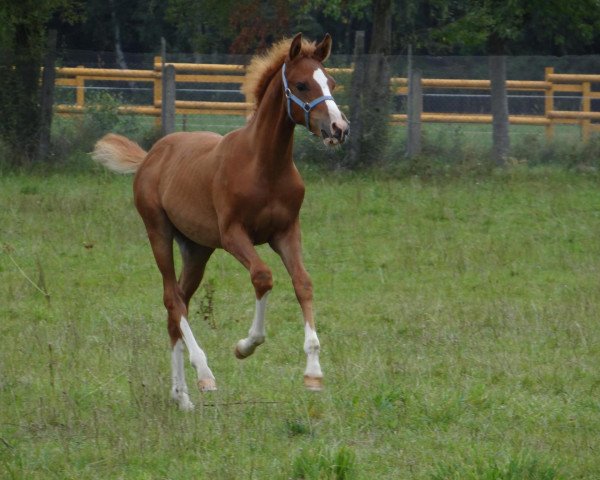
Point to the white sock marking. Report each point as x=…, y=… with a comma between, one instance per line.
x=179, y=390
x=197, y=355
x=256, y=334
x=311, y=348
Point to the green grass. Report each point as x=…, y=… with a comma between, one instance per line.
x=458, y=320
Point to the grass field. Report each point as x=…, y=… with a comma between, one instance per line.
x=459, y=323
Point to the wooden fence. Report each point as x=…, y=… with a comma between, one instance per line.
x=552, y=84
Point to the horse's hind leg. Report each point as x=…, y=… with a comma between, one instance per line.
x=194, y=258
x=161, y=233
x=194, y=261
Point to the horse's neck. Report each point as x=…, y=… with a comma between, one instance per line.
x=272, y=131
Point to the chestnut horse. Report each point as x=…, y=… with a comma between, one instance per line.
x=236, y=191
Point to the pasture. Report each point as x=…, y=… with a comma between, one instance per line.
x=458, y=320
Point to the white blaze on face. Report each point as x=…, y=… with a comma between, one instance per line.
x=335, y=116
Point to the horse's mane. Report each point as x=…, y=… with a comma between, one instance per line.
x=263, y=67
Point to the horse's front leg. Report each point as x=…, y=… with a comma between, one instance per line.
x=237, y=242
x=288, y=246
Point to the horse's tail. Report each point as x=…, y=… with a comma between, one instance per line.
x=118, y=153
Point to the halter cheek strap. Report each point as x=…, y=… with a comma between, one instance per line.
x=306, y=106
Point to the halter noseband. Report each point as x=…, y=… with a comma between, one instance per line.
x=307, y=107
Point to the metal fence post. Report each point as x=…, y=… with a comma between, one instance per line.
x=168, y=100
x=414, y=111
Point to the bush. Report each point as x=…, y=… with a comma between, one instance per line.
x=75, y=136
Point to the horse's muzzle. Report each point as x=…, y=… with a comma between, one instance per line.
x=337, y=134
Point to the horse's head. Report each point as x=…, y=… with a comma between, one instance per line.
x=308, y=90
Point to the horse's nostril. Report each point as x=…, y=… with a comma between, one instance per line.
x=337, y=131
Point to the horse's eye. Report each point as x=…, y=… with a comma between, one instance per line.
x=302, y=87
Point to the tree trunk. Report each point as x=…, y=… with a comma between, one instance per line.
x=117, y=37
x=371, y=94
x=499, y=103
x=356, y=101
x=19, y=95
x=47, y=102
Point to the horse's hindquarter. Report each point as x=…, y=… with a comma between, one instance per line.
x=177, y=176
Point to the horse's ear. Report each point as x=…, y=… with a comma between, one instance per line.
x=296, y=46
x=323, y=49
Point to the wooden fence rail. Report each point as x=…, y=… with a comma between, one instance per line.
x=552, y=84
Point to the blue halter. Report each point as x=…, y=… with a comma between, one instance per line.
x=307, y=107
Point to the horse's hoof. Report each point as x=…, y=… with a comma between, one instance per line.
x=182, y=399
x=185, y=405
x=207, y=384
x=313, y=384
x=239, y=355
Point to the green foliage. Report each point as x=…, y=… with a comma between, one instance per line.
x=341, y=10
x=23, y=22
x=325, y=464
x=523, y=467
x=201, y=26
x=522, y=26
x=74, y=137
x=22, y=42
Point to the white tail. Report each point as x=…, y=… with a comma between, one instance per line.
x=118, y=153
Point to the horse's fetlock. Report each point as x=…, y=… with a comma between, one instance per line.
x=197, y=359
x=312, y=346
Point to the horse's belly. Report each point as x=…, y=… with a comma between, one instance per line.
x=196, y=220
x=199, y=231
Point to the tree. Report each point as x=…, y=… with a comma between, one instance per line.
x=22, y=40
x=370, y=96
x=201, y=27
x=502, y=27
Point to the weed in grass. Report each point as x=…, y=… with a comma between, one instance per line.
x=325, y=464
x=297, y=427
x=521, y=467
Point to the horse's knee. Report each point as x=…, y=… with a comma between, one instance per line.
x=303, y=288
x=175, y=305
x=262, y=279
x=174, y=330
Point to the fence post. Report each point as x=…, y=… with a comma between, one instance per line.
x=549, y=103
x=47, y=101
x=414, y=110
x=168, y=100
x=586, y=103
x=80, y=89
x=157, y=89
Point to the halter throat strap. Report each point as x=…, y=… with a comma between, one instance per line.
x=306, y=106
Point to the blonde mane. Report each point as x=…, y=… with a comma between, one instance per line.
x=263, y=67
